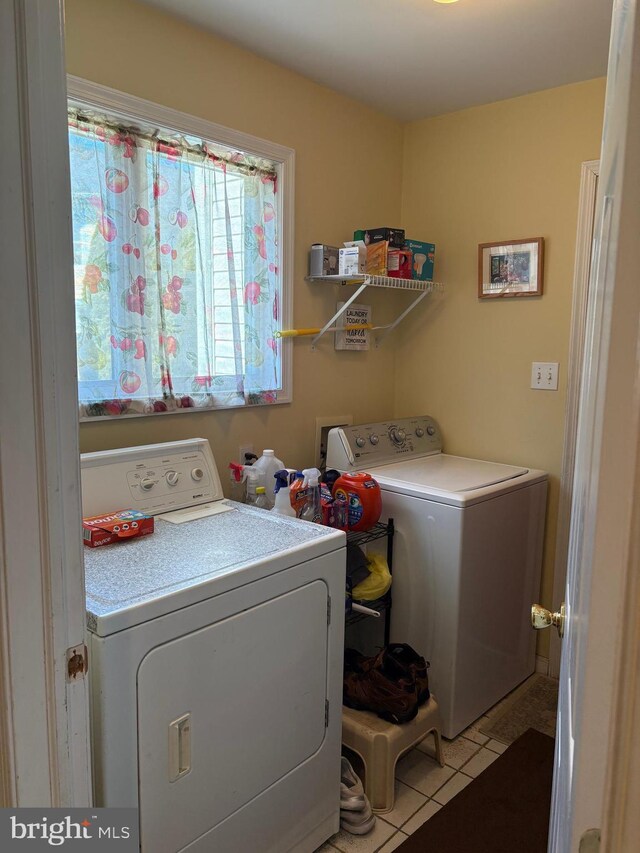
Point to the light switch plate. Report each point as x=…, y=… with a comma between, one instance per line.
x=544, y=375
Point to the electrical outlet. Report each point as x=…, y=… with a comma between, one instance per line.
x=544, y=375
x=323, y=425
x=242, y=451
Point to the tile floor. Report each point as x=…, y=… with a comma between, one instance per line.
x=423, y=787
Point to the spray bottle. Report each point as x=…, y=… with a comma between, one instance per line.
x=282, y=504
x=297, y=493
x=249, y=475
x=313, y=508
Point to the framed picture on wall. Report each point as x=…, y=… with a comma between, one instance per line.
x=511, y=268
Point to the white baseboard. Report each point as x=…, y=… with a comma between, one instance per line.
x=542, y=665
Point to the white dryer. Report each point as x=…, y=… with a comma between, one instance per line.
x=467, y=558
x=215, y=660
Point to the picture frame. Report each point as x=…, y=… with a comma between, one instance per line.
x=511, y=268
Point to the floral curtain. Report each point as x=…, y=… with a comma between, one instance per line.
x=176, y=272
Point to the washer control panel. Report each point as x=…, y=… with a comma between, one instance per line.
x=153, y=479
x=363, y=446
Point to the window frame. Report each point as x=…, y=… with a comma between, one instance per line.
x=136, y=109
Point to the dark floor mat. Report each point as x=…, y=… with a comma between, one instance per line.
x=505, y=810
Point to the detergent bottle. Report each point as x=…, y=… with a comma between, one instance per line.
x=282, y=505
x=362, y=496
x=267, y=466
x=312, y=510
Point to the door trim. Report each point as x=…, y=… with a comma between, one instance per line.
x=622, y=817
x=589, y=173
x=44, y=727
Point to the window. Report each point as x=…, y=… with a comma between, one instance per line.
x=178, y=253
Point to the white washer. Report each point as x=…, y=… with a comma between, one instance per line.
x=467, y=558
x=215, y=660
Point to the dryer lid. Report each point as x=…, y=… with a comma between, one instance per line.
x=182, y=564
x=444, y=473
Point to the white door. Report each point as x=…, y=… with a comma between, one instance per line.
x=604, y=531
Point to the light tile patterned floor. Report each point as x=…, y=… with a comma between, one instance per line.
x=422, y=788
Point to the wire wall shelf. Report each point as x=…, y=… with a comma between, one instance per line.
x=422, y=288
x=381, y=281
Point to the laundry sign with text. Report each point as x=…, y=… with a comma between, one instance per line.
x=358, y=319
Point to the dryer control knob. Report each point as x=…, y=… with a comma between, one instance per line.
x=419, y=432
x=374, y=439
x=147, y=484
x=431, y=430
x=360, y=441
x=197, y=473
x=172, y=477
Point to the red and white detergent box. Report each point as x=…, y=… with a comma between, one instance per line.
x=115, y=527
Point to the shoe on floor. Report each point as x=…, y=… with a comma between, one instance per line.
x=352, y=796
x=358, y=823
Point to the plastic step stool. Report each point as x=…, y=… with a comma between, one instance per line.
x=380, y=744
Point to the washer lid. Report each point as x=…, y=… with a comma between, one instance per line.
x=444, y=473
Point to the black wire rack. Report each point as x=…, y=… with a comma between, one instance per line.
x=382, y=604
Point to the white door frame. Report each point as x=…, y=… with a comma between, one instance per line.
x=584, y=242
x=44, y=728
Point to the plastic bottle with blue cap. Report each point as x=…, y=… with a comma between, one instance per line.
x=282, y=505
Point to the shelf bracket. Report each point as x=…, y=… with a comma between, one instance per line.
x=339, y=313
x=391, y=326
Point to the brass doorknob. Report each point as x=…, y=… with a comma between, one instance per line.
x=543, y=618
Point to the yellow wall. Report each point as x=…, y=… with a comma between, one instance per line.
x=348, y=175
x=498, y=172
x=501, y=171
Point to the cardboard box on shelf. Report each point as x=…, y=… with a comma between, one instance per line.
x=393, y=236
x=377, y=258
x=399, y=263
x=352, y=259
x=423, y=259
x=323, y=260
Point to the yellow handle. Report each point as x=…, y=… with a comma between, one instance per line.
x=294, y=333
